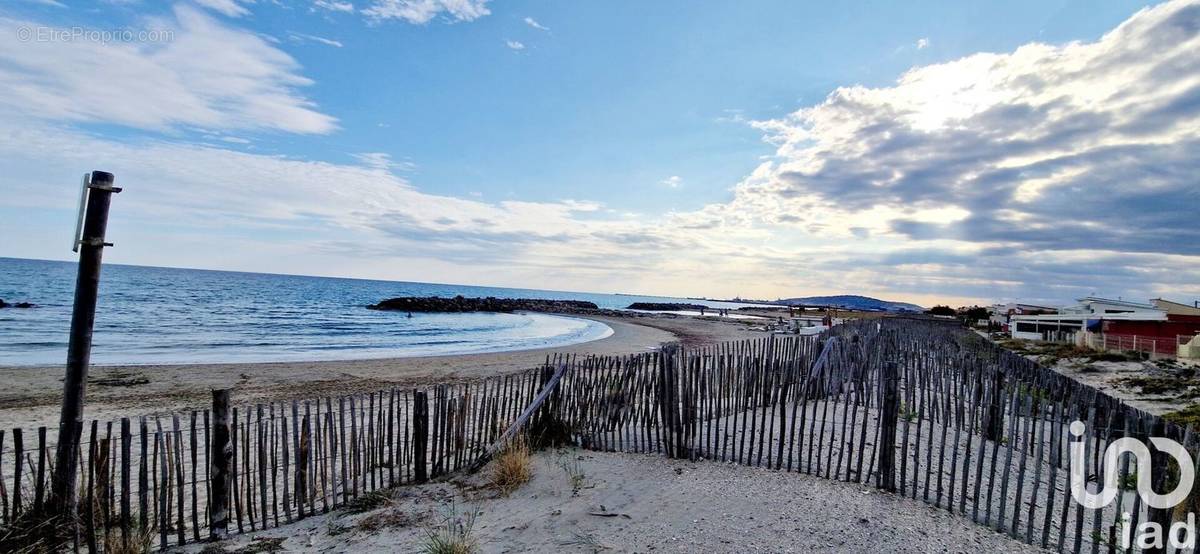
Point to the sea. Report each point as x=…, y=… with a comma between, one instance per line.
x=159, y=315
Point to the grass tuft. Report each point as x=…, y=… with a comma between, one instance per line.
x=141, y=542
x=368, y=502
x=32, y=532
x=386, y=519
x=451, y=535
x=1187, y=416
x=585, y=541
x=513, y=467
x=575, y=475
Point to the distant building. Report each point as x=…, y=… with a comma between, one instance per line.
x=1161, y=337
x=1175, y=308
x=1091, y=313
x=1000, y=314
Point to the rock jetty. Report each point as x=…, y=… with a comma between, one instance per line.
x=666, y=307
x=4, y=304
x=489, y=304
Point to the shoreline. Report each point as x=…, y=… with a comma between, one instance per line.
x=33, y=393
x=379, y=358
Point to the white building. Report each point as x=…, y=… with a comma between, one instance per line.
x=1001, y=313
x=1090, y=311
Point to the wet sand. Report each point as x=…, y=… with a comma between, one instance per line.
x=30, y=396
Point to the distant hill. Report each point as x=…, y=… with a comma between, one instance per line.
x=853, y=302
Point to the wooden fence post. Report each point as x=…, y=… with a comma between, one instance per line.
x=39, y=489
x=668, y=400
x=420, y=434
x=302, y=453
x=104, y=483
x=995, y=416
x=1159, y=474
x=889, y=412
x=126, y=508
x=221, y=454
x=18, y=458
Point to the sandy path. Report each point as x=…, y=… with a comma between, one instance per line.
x=30, y=396
x=661, y=505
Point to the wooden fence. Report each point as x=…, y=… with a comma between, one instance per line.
x=929, y=411
x=149, y=481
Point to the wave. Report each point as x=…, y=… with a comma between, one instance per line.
x=445, y=334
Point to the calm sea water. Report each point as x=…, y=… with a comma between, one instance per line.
x=152, y=315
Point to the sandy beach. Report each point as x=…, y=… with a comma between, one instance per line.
x=642, y=503
x=31, y=395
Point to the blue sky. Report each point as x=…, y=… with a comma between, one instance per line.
x=534, y=143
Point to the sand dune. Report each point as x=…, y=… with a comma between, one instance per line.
x=642, y=503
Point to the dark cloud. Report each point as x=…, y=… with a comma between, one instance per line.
x=1046, y=160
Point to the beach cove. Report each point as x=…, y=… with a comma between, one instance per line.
x=32, y=394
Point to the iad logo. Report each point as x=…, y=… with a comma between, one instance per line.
x=1112, y=469
x=1149, y=534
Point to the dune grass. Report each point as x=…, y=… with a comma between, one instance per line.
x=513, y=467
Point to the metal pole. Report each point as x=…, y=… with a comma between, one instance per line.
x=79, y=348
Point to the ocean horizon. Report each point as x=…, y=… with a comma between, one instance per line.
x=160, y=315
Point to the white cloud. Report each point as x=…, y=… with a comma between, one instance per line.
x=423, y=11
x=673, y=181
x=732, y=115
x=515, y=45
x=383, y=161
x=533, y=23
x=231, y=8
x=208, y=76
x=333, y=6
x=922, y=43
x=301, y=37
x=360, y=214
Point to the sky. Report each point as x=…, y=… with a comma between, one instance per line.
x=932, y=152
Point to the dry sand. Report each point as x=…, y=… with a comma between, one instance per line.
x=30, y=396
x=643, y=503
x=1108, y=378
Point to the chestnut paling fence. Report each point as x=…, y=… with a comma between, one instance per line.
x=148, y=481
x=926, y=410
